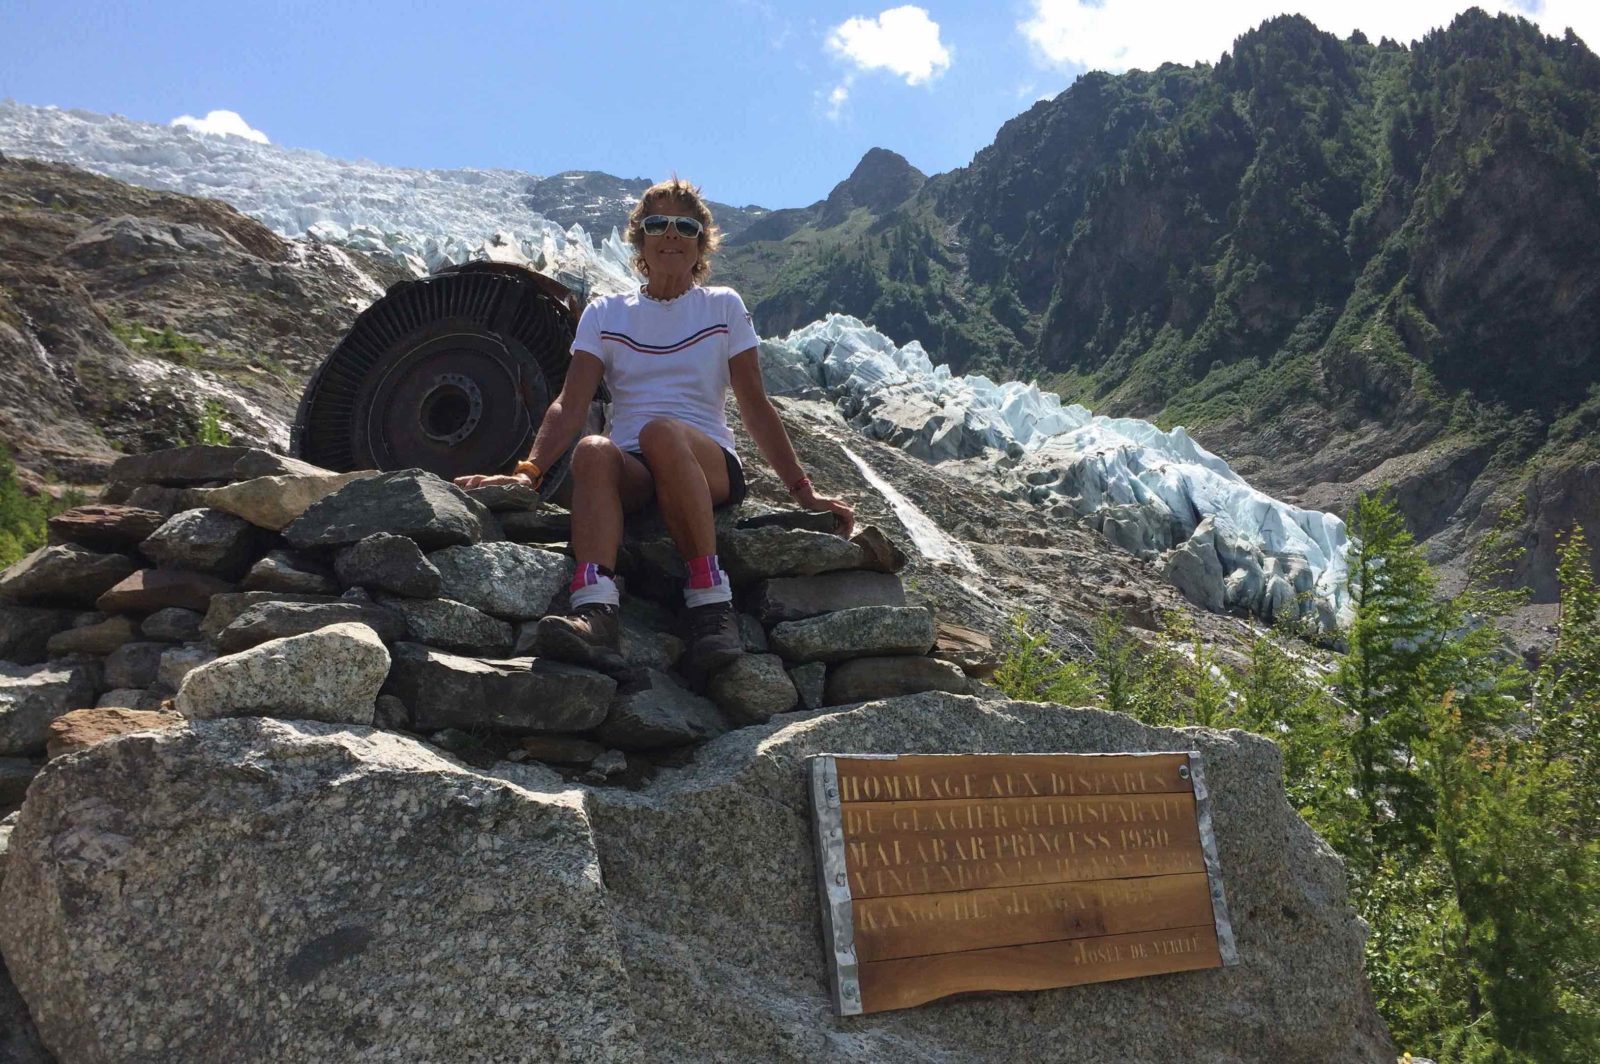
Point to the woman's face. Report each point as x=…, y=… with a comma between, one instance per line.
x=671, y=255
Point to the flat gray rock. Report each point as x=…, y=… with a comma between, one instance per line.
x=31, y=696
x=99, y=638
x=386, y=562
x=288, y=571
x=710, y=873
x=410, y=503
x=508, y=580
x=25, y=632
x=866, y=679
x=865, y=631
x=348, y=894
x=792, y=598
x=134, y=664
x=331, y=675
x=761, y=553
x=278, y=620
x=518, y=696
x=204, y=541
x=543, y=526
x=452, y=625
x=223, y=610
x=172, y=625
x=63, y=575
x=655, y=711
x=752, y=689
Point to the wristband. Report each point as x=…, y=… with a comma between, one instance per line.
x=803, y=482
x=530, y=470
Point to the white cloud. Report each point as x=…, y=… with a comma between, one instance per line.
x=901, y=40
x=222, y=123
x=1117, y=35
x=837, y=98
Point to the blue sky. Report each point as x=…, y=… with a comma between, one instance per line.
x=757, y=100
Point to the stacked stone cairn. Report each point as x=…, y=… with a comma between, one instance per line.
x=229, y=581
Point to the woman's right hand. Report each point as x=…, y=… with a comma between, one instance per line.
x=489, y=480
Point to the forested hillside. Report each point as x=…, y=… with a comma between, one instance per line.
x=1340, y=262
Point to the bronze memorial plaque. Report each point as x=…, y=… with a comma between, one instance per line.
x=945, y=873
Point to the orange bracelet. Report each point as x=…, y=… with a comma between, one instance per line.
x=530, y=470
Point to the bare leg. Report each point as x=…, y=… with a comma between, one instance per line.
x=606, y=483
x=691, y=476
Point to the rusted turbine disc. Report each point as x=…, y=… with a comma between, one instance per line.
x=450, y=373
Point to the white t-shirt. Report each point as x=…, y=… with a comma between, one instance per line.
x=667, y=359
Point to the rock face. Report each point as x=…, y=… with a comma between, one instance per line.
x=332, y=674
x=385, y=562
x=274, y=502
x=204, y=541
x=307, y=862
x=711, y=876
x=278, y=620
x=860, y=632
x=343, y=864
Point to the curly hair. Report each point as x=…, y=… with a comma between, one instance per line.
x=674, y=188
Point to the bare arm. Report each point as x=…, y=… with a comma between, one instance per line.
x=761, y=420
x=562, y=420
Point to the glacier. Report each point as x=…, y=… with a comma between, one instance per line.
x=421, y=219
x=1154, y=492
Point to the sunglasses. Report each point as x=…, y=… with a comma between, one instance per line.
x=656, y=225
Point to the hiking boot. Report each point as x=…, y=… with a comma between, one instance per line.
x=589, y=635
x=714, y=640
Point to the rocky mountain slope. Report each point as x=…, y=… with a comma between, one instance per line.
x=1339, y=263
x=125, y=312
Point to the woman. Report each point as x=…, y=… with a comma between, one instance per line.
x=668, y=353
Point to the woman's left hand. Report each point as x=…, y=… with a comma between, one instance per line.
x=845, y=513
x=489, y=480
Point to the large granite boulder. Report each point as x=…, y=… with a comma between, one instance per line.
x=257, y=891
x=712, y=881
x=332, y=674
x=31, y=696
x=410, y=503
x=519, y=696
x=507, y=580
x=63, y=575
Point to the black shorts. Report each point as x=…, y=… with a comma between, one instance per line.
x=737, y=488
